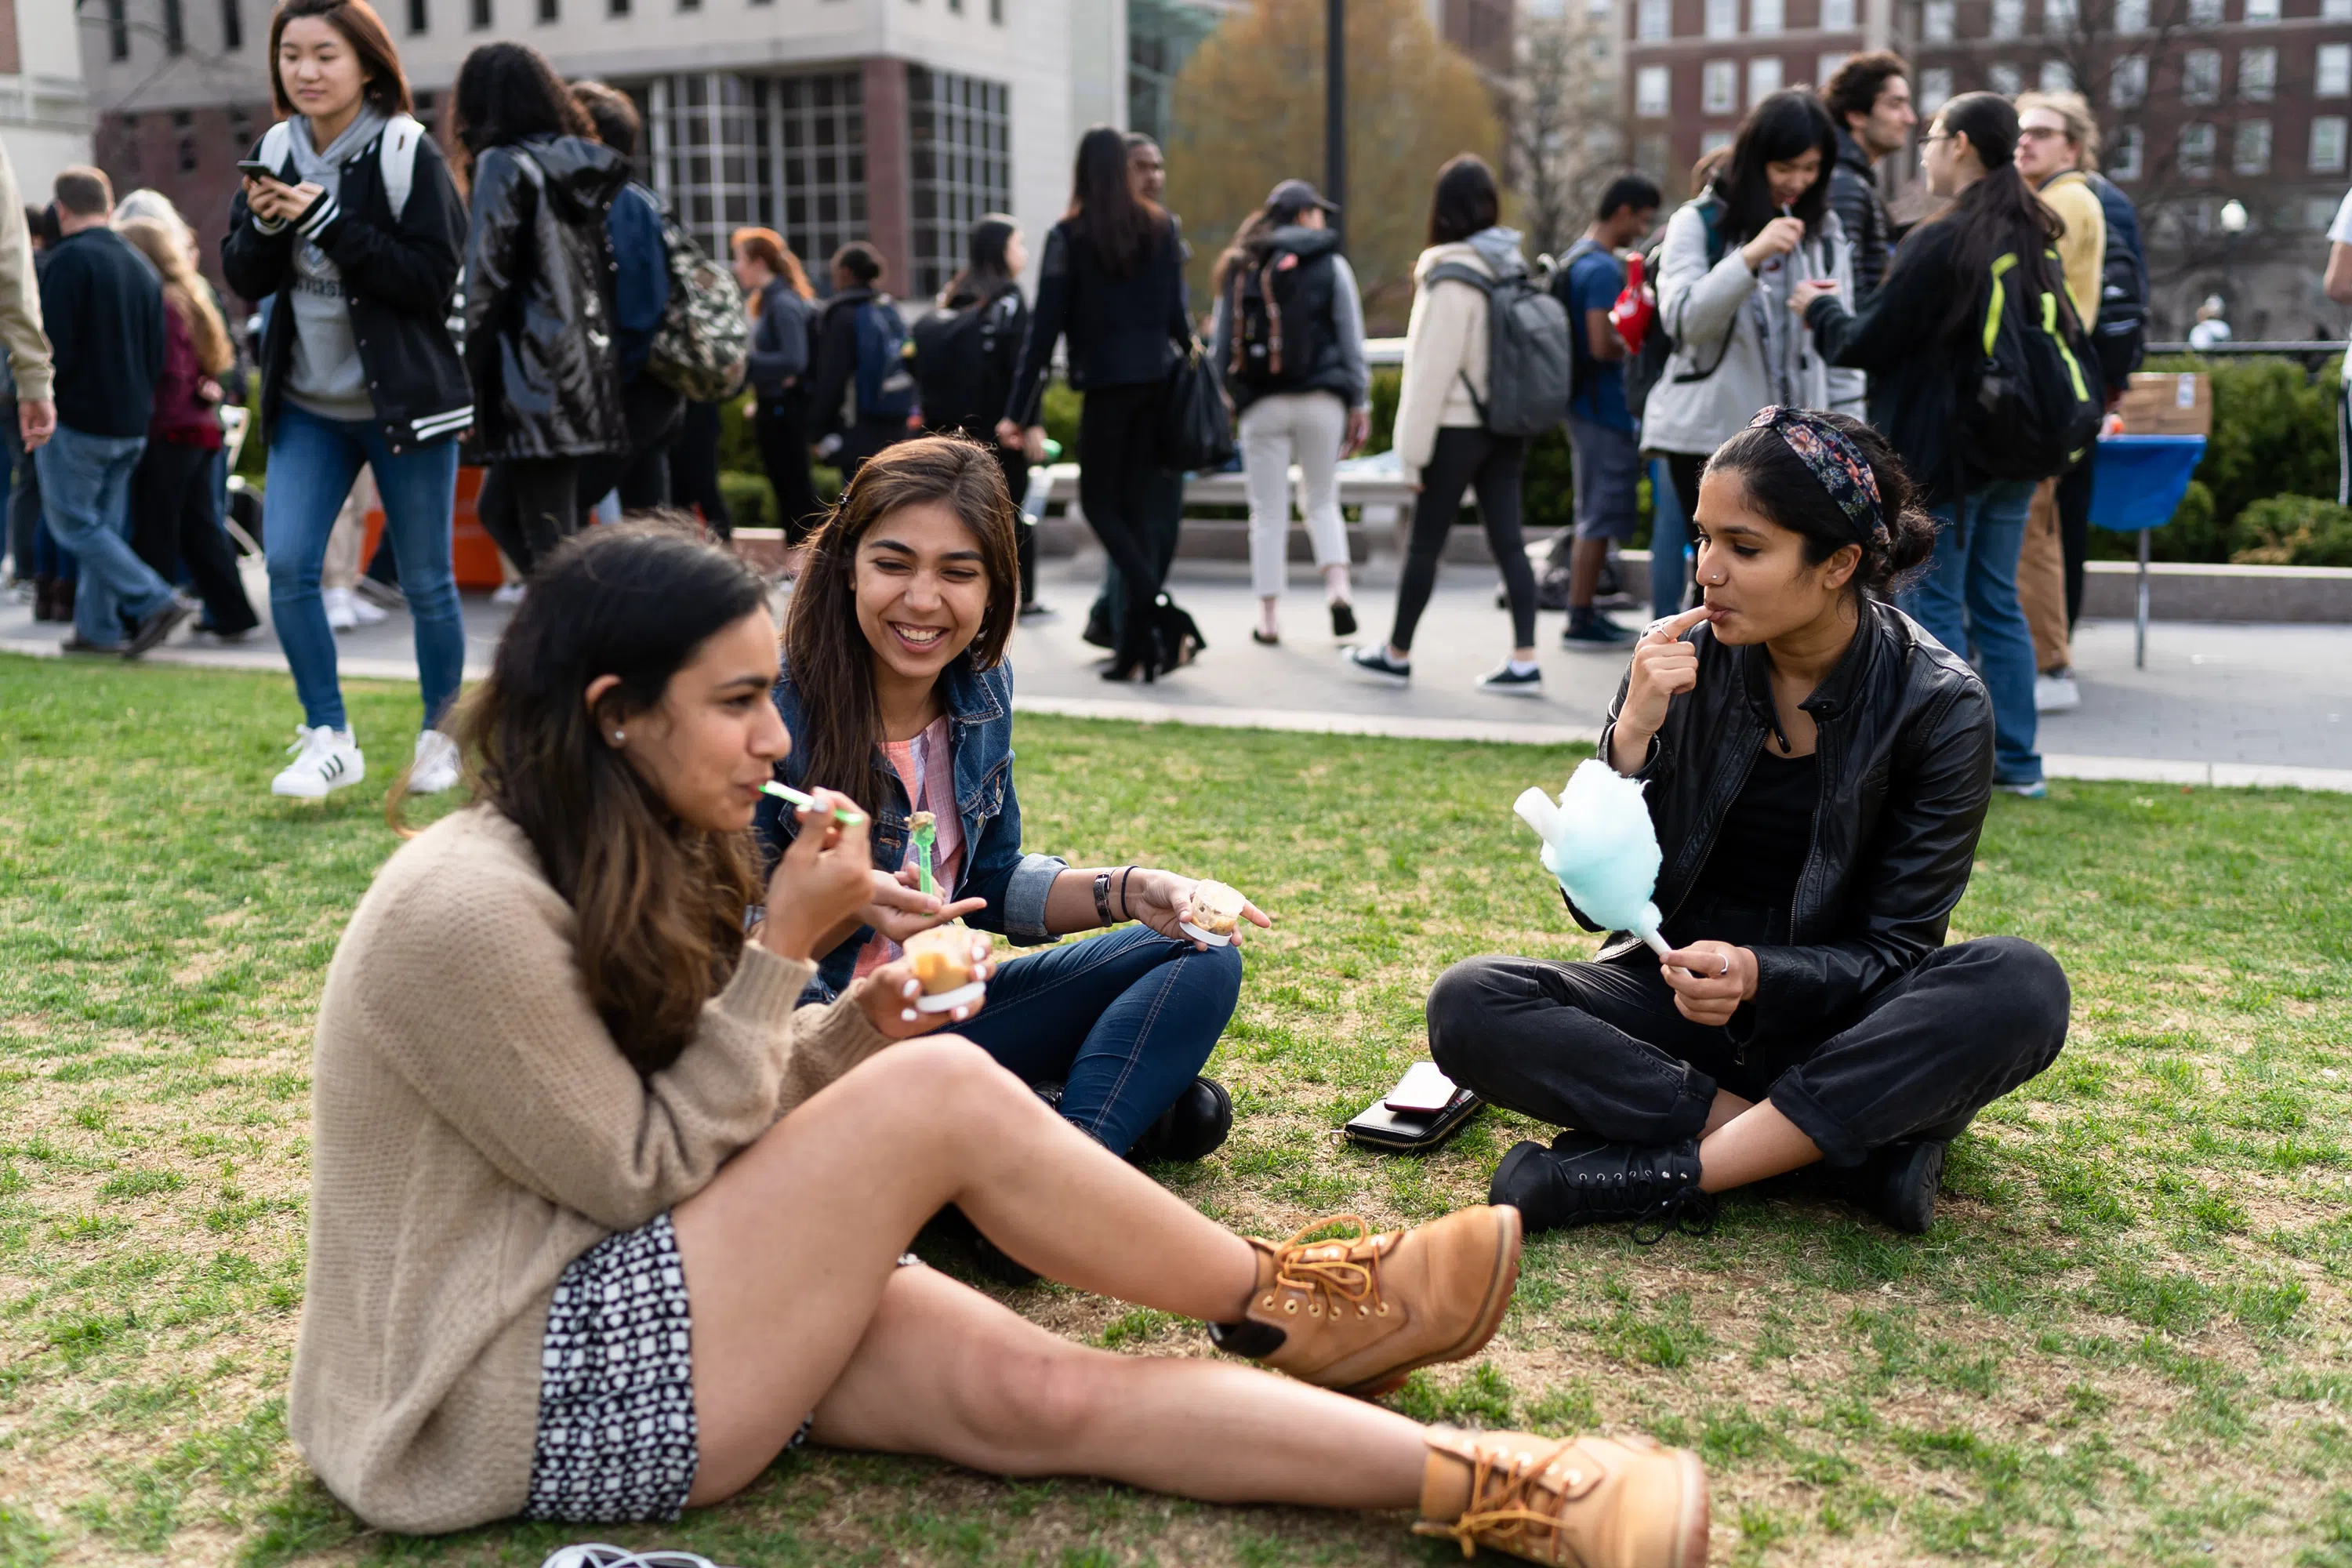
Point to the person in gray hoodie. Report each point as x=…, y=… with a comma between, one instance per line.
x=1731, y=260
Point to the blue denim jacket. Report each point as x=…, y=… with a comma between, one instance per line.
x=980, y=730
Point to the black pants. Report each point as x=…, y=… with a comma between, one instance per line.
x=1163, y=526
x=174, y=524
x=528, y=506
x=1683, y=468
x=1600, y=1047
x=694, y=468
x=2075, y=533
x=781, y=427
x=1118, y=457
x=1495, y=465
x=650, y=413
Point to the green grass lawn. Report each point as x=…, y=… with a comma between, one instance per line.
x=2125, y=1342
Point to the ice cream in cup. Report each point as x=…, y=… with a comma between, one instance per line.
x=942, y=961
x=1216, y=913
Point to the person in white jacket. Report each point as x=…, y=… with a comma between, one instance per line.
x=1441, y=439
x=1730, y=260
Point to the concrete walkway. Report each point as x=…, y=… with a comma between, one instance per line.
x=2218, y=704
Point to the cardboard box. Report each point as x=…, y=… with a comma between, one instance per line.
x=2167, y=402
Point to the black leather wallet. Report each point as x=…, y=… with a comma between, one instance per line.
x=1412, y=1132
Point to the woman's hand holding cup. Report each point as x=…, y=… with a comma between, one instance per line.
x=824, y=878
x=1664, y=667
x=1163, y=900
x=887, y=995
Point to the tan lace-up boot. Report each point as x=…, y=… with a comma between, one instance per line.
x=1358, y=1312
x=1575, y=1502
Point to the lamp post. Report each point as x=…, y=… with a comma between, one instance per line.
x=2234, y=224
x=1335, y=109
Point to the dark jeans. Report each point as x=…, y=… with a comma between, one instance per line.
x=1600, y=1047
x=694, y=468
x=781, y=427
x=24, y=496
x=174, y=525
x=1124, y=1021
x=1495, y=465
x=1119, y=460
x=530, y=505
x=2075, y=533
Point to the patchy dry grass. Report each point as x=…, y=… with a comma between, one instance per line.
x=2127, y=1340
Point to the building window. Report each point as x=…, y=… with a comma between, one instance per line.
x=2055, y=76
x=480, y=20
x=1935, y=87
x=175, y=28
x=2128, y=83
x=1936, y=18
x=1723, y=18
x=183, y=139
x=419, y=18
x=1654, y=21
x=231, y=25
x=2197, y=150
x=689, y=4
x=2200, y=76
x=240, y=130
x=2008, y=18
x=1827, y=65
x=2335, y=10
x=2204, y=13
x=2004, y=79
x=2257, y=74
x=2121, y=160
x=2262, y=12
x=996, y=12
x=2058, y=17
x=2131, y=16
x=2328, y=144
x=1764, y=17
x=2250, y=151
x=550, y=11
x=1763, y=79
x=959, y=165
x=1837, y=16
x=2334, y=78
x=1653, y=93
x=1718, y=91
x=1714, y=142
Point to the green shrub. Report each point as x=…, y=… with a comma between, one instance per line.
x=1060, y=417
x=749, y=499
x=2273, y=434
x=2194, y=534
x=2293, y=531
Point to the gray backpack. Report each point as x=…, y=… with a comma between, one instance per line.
x=1528, y=362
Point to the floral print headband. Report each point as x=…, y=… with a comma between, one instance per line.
x=1837, y=462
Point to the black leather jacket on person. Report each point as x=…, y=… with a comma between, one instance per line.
x=1853, y=196
x=1905, y=747
x=1123, y=330
x=399, y=277
x=539, y=300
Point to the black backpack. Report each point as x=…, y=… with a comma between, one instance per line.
x=2120, y=336
x=1646, y=369
x=2035, y=407
x=1527, y=355
x=957, y=358
x=1577, y=373
x=1281, y=316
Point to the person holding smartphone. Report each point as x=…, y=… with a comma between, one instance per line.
x=348, y=220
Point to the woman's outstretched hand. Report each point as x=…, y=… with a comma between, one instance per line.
x=1163, y=900
x=888, y=996
x=1664, y=667
x=900, y=908
x=1710, y=980
x=1801, y=298
x=824, y=877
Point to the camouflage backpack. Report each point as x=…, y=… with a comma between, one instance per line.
x=703, y=346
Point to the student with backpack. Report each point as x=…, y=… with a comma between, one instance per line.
x=777, y=295
x=1980, y=375
x=863, y=390
x=540, y=329
x=1731, y=259
x=967, y=351
x=637, y=229
x=1463, y=419
x=1288, y=339
x=355, y=246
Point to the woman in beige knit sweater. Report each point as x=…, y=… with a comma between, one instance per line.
x=600, y=1223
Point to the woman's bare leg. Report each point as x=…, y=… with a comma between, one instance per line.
x=1723, y=1110
x=789, y=1249
x=1758, y=1142
x=943, y=1370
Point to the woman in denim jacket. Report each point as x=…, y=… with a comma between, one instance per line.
x=896, y=693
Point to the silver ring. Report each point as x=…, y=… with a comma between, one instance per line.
x=1657, y=626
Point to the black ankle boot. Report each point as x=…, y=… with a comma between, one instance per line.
x=1192, y=1128
x=1583, y=1180
x=1897, y=1185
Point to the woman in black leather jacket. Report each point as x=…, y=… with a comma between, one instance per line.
x=539, y=295
x=1818, y=770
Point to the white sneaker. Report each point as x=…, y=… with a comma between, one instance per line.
x=2056, y=693
x=508, y=593
x=342, y=608
x=435, y=766
x=324, y=760
x=367, y=613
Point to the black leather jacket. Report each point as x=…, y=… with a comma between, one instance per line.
x=539, y=300
x=1905, y=746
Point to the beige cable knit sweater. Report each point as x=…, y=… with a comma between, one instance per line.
x=474, y=1129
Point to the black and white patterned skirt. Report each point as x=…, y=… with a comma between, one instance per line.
x=616, y=1428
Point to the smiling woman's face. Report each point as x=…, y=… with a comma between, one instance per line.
x=715, y=737
x=922, y=590
x=1758, y=585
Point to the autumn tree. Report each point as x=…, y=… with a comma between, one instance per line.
x=1564, y=143
x=1249, y=112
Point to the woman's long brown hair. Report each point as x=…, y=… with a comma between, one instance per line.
x=660, y=905
x=184, y=289
x=826, y=654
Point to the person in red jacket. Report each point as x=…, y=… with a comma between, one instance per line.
x=174, y=519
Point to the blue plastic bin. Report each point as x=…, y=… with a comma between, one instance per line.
x=2138, y=480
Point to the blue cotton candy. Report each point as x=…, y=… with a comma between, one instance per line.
x=1597, y=839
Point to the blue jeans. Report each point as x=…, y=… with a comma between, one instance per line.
x=86, y=501
x=1669, y=544
x=1969, y=595
x=1123, y=1020
x=312, y=465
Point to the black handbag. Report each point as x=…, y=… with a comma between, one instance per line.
x=1196, y=427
